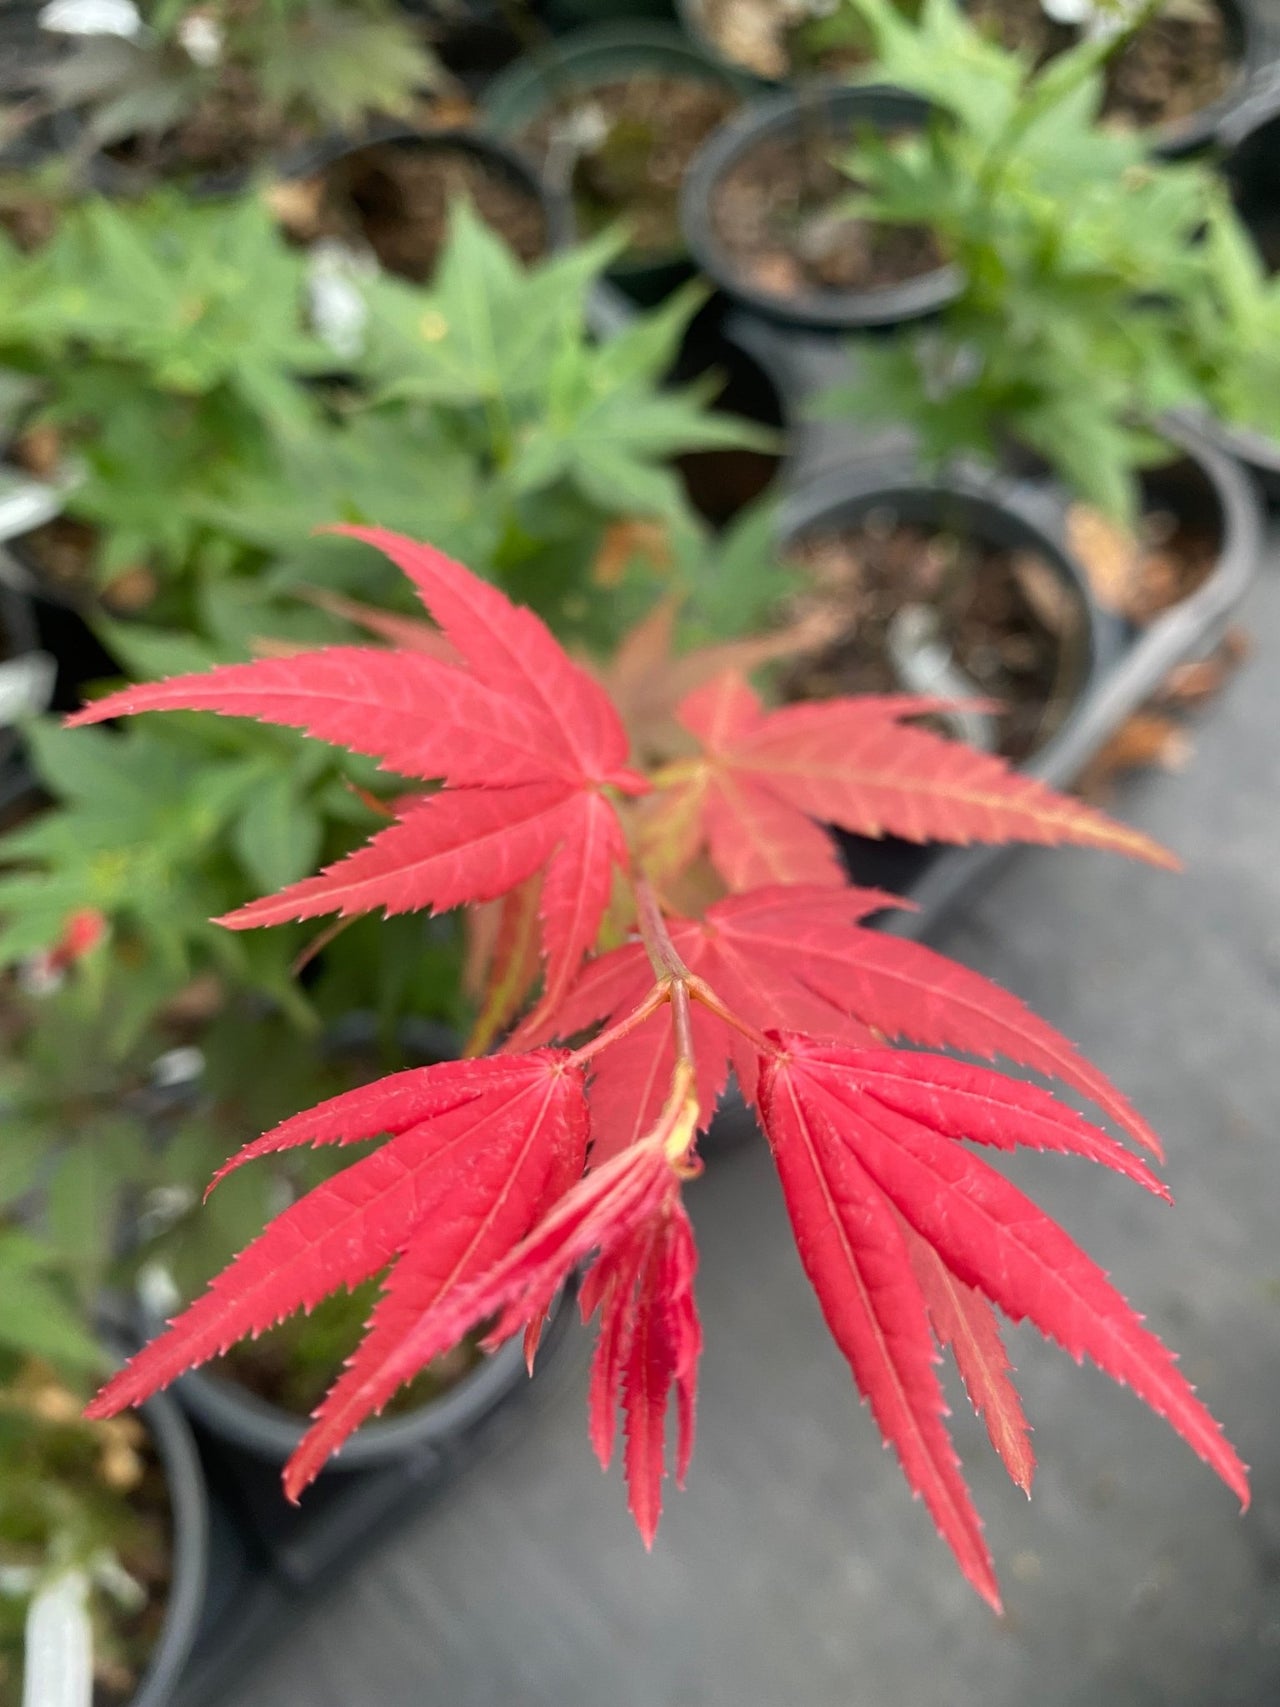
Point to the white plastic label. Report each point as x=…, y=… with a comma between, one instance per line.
x=25, y=503
x=92, y=18
x=26, y=686
x=58, y=1658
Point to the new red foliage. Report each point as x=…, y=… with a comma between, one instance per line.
x=500, y=1177
x=765, y=780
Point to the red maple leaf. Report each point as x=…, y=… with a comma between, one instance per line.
x=525, y=741
x=478, y=1150
x=964, y=1322
x=766, y=782
x=865, y=1141
x=499, y=1177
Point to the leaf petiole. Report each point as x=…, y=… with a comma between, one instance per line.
x=615, y=1033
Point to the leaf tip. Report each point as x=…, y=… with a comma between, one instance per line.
x=77, y=719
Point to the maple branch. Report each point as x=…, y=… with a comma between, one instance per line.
x=681, y=1022
x=663, y=954
x=669, y=968
x=615, y=1033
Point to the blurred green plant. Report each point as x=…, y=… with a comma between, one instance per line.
x=168, y=342
x=1232, y=323
x=73, y=1512
x=277, y=69
x=1075, y=253
x=486, y=417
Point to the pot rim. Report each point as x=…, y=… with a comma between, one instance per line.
x=836, y=310
x=189, y=1517
x=241, y=1417
x=1208, y=124
x=521, y=90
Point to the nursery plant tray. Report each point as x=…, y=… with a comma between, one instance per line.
x=267, y=1557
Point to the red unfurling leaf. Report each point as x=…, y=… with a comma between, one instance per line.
x=631, y=1078
x=602, y=1210
x=666, y=1341
x=769, y=779
x=986, y=1232
x=610, y=1286
x=447, y=1194
x=965, y=1323
x=650, y=1341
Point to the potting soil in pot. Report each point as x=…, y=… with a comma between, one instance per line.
x=778, y=213
x=396, y=198
x=883, y=591
x=1176, y=64
x=1142, y=574
x=105, y=1482
x=623, y=147
x=229, y=130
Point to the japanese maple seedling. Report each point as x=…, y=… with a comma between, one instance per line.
x=502, y=1175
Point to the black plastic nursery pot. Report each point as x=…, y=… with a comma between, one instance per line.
x=392, y=192
x=188, y=1503
x=251, y=1425
x=1201, y=486
x=985, y=510
x=829, y=117
x=569, y=70
x=1247, y=30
